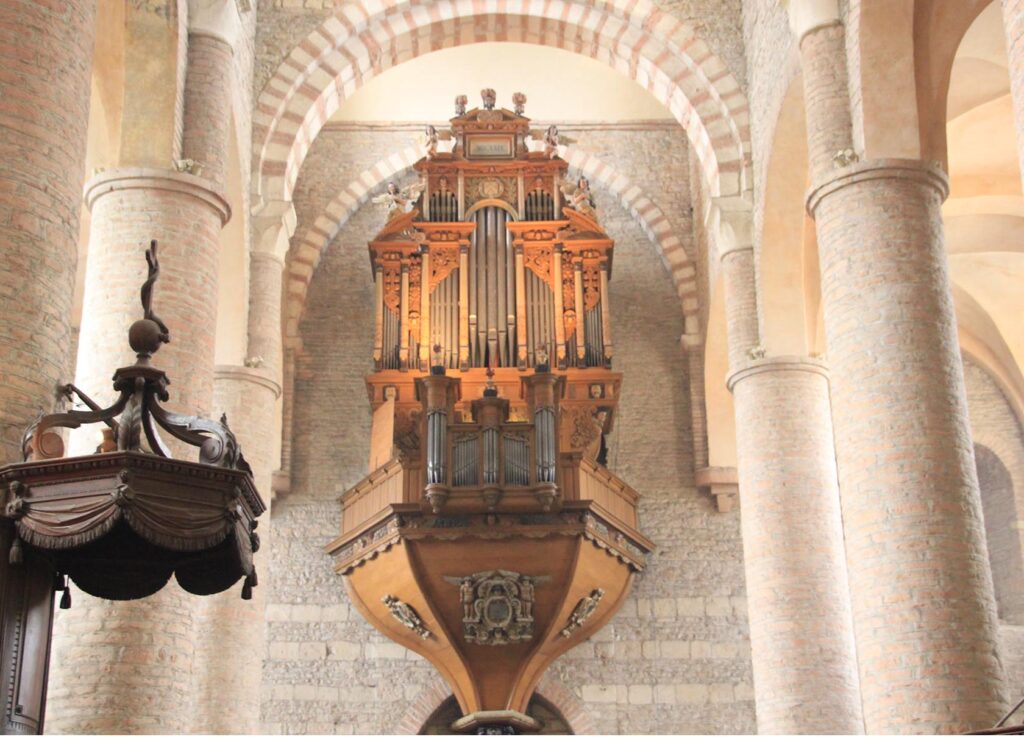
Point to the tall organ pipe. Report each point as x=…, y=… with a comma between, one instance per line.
x=544, y=421
x=437, y=428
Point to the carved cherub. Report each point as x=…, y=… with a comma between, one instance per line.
x=399, y=201
x=579, y=197
x=430, y=138
x=519, y=103
x=551, y=139
x=460, y=105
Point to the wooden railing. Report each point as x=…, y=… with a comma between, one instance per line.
x=370, y=497
x=598, y=484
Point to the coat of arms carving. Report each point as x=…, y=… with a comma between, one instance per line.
x=497, y=606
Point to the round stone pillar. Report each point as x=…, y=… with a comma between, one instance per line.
x=128, y=666
x=920, y=585
x=231, y=636
x=208, y=105
x=266, y=274
x=44, y=112
x=801, y=631
x=740, y=304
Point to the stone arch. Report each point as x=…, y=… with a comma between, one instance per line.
x=660, y=52
x=308, y=247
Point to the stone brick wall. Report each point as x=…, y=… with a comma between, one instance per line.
x=677, y=656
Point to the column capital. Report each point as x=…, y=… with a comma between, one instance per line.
x=735, y=223
x=691, y=341
x=217, y=19
x=273, y=224
x=125, y=178
x=259, y=376
x=928, y=173
x=806, y=16
x=777, y=363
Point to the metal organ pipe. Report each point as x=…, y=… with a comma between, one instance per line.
x=544, y=422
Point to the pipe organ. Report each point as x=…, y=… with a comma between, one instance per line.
x=489, y=537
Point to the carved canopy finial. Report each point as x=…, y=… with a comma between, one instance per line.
x=146, y=335
x=489, y=97
x=460, y=105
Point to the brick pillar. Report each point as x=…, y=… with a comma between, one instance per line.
x=128, y=666
x=231, y=644
x=921, y=590
x=801, y=631
x=740, y=303
x=266, y=272
x=231, y=637
x=208, y=104
x=919, y=577
x=46, y=56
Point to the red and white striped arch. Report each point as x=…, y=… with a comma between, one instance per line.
x=362, y=39
x=308, y=246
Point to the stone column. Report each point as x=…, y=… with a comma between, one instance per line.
x=801, y=633
x=231, y=643
x=44, y=112
x=208, y=104
x=920, y=585
x=1013, y=24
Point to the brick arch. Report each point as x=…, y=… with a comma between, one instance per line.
x=436, y=692
x=658, y=51
x=308, y=246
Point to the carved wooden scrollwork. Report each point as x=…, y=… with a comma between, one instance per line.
x=443, y=261
x=538, y=260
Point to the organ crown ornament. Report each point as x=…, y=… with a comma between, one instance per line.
x=489, y=515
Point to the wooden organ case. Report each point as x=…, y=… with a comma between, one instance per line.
x=489, y=537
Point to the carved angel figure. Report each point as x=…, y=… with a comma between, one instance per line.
x=460, y=105
x=579, y=197
x=551, y=139
x=399, y=201
x=430, y=138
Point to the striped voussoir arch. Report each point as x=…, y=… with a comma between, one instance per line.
x=362, y=39
x=308, y=246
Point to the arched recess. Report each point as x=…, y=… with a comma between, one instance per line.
x=788, y=265
x=233, y=280
x=308, y=246
x=106, y=110
x=1001, y=533
x=660, y=52
x=721, y=417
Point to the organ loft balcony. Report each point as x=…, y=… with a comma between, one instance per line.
x=489, y=536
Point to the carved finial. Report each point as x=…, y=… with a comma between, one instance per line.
x=460, y=105
x=489, y=97
x=146, y=335
x=490, y=390
x=541, y=359
x=519, y=103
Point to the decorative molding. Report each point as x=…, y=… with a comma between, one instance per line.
x=127, y=178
